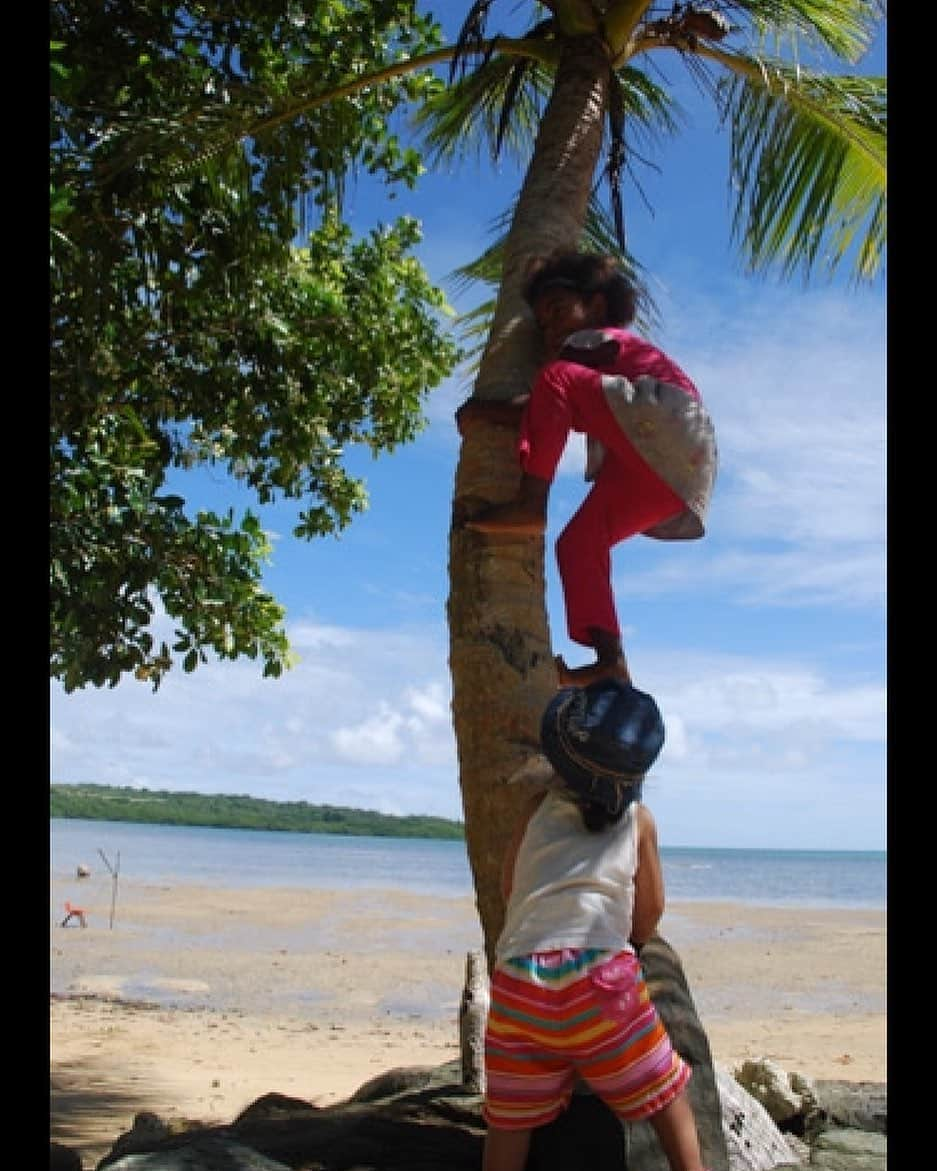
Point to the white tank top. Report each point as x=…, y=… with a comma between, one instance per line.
x=571, y=888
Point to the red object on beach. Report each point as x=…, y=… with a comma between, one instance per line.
x=74, y=913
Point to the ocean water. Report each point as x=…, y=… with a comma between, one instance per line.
x=250, y=858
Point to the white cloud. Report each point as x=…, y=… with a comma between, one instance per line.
x=374, y=731
x=768, y=752
x=416, y=729
x=429, y=703
x=373, y=700
x=772, y=699
x=375, y=741
x=796, y=386
x=853, y=577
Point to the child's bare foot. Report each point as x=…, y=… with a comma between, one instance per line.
x=511, y=518
x=583, y=676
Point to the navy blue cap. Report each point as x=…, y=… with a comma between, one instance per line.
x=602, y=739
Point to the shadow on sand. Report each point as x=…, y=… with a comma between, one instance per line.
x=87, y=1113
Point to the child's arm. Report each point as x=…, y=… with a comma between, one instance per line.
x=510, y=854
x=648, y=880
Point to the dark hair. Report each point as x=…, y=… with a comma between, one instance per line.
x=587, y=273
x=596, y=817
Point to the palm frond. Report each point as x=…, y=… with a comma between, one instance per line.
x=648, y=109
x=808, y=162
x=470, y=43
x=486, y=268
x=638, y=109
x=515, y=80
x=474, y=326
x=474, y=330
x=844, y=27
x=471, y=111
x=645, y=113
x=616, y=153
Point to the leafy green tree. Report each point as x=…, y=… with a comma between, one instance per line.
x=188, y=328
x=114, y=803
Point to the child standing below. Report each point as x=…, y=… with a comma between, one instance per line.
x=651, y=446
x=583, y=886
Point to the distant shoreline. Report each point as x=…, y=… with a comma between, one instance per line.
x=227, y=811
x=86, y=802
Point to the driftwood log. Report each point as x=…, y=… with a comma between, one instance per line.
x=473, y=1013
x=422, y=1119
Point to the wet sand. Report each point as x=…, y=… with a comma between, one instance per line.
x=197, y=1000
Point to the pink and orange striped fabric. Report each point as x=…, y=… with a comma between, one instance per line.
x=559, y=1015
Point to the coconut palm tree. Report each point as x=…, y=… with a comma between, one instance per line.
x=808, y=160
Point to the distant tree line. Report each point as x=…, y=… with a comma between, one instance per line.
x=112, y=803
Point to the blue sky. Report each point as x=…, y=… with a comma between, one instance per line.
x=764, y=643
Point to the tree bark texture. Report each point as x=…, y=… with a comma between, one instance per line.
x=500, y=656
x=551, y=209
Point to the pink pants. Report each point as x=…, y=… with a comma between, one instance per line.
x=626, y=497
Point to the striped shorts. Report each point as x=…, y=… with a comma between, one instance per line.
x=559, y=1015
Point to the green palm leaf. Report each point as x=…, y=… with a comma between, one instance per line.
x=843, y=27
x=468, y=114
x=808, y=161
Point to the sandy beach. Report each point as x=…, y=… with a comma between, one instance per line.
x=196, y=1001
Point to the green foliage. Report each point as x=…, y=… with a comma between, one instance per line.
x=824, y=205
x=113, y=537
x=107, y=803
x=188, y=328
x=808, y=145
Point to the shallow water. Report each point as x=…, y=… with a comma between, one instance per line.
x=232, y=858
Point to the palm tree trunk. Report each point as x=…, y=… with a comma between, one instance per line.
x=500, y=655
